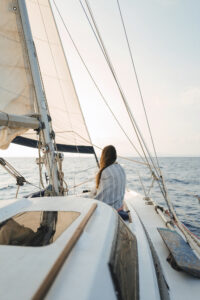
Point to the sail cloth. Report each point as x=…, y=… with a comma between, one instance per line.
x=17, y=95
x=67, y=119
x=16, y=85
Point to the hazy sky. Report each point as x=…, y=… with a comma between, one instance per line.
x=165, y=41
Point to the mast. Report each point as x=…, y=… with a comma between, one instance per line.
x=47, y=134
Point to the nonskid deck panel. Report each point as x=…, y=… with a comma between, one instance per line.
x=183, y=256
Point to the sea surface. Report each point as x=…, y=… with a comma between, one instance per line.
x=182, y=177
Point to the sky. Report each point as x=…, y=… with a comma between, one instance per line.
x=165, y=42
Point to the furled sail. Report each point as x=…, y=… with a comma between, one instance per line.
x=17, y=95
x=67, y=119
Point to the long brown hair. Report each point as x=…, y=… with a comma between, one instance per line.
x=108, y=157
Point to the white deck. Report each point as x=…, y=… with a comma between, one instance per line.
x=85, y=274
x=181, y=285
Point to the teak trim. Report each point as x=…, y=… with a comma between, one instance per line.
x=47, y=282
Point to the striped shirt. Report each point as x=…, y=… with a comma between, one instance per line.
x=112, y=184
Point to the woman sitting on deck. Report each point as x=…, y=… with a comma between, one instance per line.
x=110, y=180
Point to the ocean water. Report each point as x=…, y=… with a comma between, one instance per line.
x=182, y=177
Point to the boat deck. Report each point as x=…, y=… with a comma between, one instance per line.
x=180, y=285
x=85, y=274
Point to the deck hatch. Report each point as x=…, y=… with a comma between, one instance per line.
x=26, y=228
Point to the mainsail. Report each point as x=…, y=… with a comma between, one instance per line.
x=67, y=119
x=17, y=95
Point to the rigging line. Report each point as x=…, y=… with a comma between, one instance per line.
x=86, y=169
x=33, y=185
x=190, y=238
x=132, y=160
x=96, y=36
x=91, y=77
x=102, y=46
x=81, y=183
x=134, y=124
x=138, y=83
x=100, y=148
x=128, y=109
x=9, y=167
x=12, y=171
x=125, y=158
x=142, y=185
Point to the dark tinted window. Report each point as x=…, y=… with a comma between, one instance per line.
x=124, y=263
x=35, y=228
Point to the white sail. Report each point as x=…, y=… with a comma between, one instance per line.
x=67, y=119
x=17, y=89
x=17, y=94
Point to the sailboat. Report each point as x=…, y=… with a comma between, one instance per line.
x=73, y=247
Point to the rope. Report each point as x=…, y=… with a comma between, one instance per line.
x=194, y=242
x=102, y=94
x=151, y=186
x=142, y=185
x=136, y=129
x=138, y=83
x=162, y=187
x=134, y=124
x=95, y=84
x=81, y=183
x=13, y=172
x=100, y=148
x=82, y=171
x=96, y=36
x=33, y=185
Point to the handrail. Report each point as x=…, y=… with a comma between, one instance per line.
x=49, y=279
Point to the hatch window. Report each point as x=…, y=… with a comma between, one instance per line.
x=123, y=263
x=35, y=228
